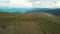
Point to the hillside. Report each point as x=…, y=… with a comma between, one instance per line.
x=29, y=23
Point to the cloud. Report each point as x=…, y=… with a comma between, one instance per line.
x=58, y=4
x=21, y=3
x=31, y=3
x=44, y=4
x=16, y=3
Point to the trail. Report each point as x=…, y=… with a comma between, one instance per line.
x=22, y=28
x=27, y=28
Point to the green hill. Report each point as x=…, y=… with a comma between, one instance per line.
x=29, y=23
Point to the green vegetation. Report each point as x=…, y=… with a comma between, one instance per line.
x=29, y=23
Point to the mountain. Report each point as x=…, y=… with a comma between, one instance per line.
x=47, y=10
x=55, y=11
x=29, y=23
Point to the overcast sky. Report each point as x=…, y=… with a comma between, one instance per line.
x=31, y=3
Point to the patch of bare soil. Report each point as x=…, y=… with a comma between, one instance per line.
x=26, y=28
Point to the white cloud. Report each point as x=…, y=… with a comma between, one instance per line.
x=44, y=4
x=28, y=4
x=20, y=3
x=16, y=3
x=58, y=4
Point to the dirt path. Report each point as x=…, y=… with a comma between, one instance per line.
x=26, y=28
x=22, y=28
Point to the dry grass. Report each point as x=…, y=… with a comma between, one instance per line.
x=30, y=23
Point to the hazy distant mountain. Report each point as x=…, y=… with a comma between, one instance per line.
x=30, y=10
x=54, y=11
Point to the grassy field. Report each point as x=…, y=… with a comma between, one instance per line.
x=29, y=23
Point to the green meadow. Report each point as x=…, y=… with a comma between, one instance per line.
x=29, y=23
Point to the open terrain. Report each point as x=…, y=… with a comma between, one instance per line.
x=29, y=23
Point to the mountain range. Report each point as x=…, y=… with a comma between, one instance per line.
x=30, y=10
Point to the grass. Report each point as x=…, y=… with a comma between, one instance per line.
x=30, y=23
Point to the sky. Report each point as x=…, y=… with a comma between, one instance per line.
x=30, y=3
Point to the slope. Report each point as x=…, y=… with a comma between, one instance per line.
x=29, y=23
